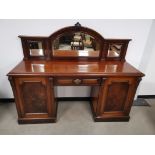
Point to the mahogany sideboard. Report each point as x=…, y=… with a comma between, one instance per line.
x=95, y=61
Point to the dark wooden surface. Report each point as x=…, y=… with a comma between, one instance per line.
x=75, y=68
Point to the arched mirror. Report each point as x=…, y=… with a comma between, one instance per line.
x=75, y=44
x=76, y=41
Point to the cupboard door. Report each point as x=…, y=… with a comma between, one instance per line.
x=116, y=97
x=35, y=97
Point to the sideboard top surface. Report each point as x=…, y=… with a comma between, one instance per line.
x=74, y=68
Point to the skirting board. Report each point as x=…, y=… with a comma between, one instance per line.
x=73, y=98
x=5, y=100
x=146, y=96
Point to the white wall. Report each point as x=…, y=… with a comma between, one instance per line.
x=11, y=50
x=147, y=65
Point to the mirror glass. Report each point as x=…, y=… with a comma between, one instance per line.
x=114, y=50
x=36, y=48
x=75, y=44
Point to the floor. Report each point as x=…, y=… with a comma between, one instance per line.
x=75, y=118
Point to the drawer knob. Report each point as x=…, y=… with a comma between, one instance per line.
x=77, y=81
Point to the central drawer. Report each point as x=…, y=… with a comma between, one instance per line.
x=77, y=81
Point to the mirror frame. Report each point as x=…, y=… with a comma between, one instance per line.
x=25, y=44
x=123, y=42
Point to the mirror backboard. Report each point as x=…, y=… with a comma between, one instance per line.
x=74, y=42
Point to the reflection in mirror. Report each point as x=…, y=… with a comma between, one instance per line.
x=76, y=44
x=36, y=48
x=114, y=50
x=38, y=67
x=86, y=68
x=111, y=68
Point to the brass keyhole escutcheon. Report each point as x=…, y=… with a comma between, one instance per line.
x=77, y=81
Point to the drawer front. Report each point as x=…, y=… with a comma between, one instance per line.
x=77, y=81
